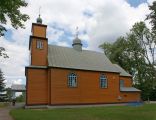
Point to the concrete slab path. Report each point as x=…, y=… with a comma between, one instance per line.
x=4, y=111
x=4, y=114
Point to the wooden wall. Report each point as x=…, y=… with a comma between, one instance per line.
x=37, y=86
x=39, y=30
x=51, y=87
x=130, y=96
x=127, y=81
x=39, y=56
x=88, y=89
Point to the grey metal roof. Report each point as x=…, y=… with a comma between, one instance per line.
x=129, y=89
x=65, y=57
x=122, y=71
x=16, y=87
x=33, y=66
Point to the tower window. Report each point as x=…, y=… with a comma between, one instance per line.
x=72, y=80
x=121, y=83
x=39, y=44
x=103, y=81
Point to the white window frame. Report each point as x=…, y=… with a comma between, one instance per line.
x=72, y=80
x=39, y=44
x=103, y=81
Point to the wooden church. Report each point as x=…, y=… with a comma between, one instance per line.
x=72, y=76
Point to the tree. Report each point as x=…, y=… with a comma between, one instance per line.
x=115, y=52
x=136, y=53
x=133, y=53
x=21, y=98
x=3, y=53
x=9, y=94
x=2, y=87
x=2, y=84
x=9, y=11
x=152, y=16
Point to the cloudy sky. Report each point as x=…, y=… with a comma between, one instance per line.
x=98, y=21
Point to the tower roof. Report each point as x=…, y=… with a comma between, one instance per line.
x=39, y=20
x=77, y=41
x=77, y=45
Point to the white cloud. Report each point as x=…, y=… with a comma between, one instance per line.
x=112, y=20
x=13, y=67
x=109, y=19
x=18, y=81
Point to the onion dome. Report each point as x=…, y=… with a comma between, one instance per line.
x=77, y=45
x=39, y=20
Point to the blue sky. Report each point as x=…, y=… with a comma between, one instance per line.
x=98, y=21
x=136, y=3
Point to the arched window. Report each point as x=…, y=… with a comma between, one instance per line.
x=72, y=80
x=103, y=81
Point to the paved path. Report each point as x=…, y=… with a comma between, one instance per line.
x=4, y=114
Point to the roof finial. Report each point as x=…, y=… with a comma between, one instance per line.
x=39, y=20
x=77, y=32
x=39, y=11
x=77, y=45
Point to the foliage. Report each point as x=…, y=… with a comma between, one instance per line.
x=21, y=98
x=2, y=84
x=152, y=16
x=9, y=94
x=115, y=52
x=10, y=9
x=3, y=96
x=135, y=53
x=145, y=112
x=3, y=53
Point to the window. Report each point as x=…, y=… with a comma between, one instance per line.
x=103, y=81
x=72, y=80
x=121, y=83
x=39, y=44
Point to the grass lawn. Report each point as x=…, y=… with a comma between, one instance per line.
x=2, y=104
x=145, y=112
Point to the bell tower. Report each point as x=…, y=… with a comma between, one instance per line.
x=38, y=44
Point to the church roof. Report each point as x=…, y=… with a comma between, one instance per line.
x=65, y=57
x=122, y=71
x=129, y=89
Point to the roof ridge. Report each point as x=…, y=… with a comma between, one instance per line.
x=72, y=48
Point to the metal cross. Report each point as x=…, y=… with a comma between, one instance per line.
x=77, y=32
x=39, y=10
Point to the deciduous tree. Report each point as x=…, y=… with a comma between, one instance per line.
x=10, y=11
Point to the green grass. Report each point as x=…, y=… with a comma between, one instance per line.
x=3, y=104
x=145, y=112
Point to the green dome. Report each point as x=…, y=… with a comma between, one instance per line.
x=39, y=20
